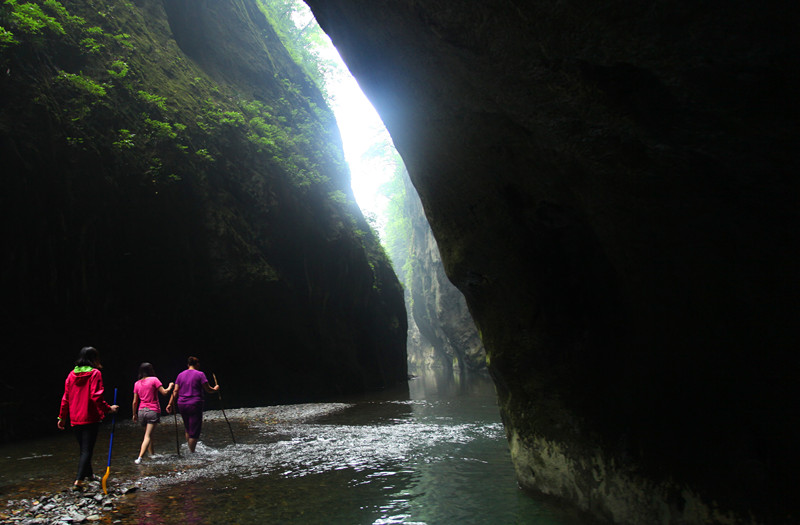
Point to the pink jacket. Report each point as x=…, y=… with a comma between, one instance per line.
x=83, y=397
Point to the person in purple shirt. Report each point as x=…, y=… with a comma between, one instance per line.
x=189, y=387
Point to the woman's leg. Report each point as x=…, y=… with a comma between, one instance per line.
x=147, y=443
x=87, y=437
x=192, y=415
x=151, y=428
x=185, y=418
x=190, y=422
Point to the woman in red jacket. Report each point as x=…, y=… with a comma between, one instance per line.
x=83, y=403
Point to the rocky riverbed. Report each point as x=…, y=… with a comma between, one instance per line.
x=65, y=507
x=92, y=505
x=275, y=414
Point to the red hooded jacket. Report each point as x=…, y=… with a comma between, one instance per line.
x=83, y=397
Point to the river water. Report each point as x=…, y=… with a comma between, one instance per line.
x=434, y=453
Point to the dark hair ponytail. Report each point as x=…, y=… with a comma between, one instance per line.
x=193, y=361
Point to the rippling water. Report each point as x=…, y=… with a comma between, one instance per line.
x=436, y=456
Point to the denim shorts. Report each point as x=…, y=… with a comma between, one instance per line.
x=148, y=416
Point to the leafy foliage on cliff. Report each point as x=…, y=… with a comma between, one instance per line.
x=305, y=42
x=398, y=230
x=134, y=99
x=177, y=119
x=164, y=181
x=310, y=48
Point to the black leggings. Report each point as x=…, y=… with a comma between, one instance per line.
x=87, y=436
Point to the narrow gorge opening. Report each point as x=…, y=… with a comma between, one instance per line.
x=441, y=332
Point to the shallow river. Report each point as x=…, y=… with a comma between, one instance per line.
x=434, y=454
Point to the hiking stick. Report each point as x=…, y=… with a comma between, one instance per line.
x=110, y=444
x=175, y=417
x=223, y=409
x=177, y=440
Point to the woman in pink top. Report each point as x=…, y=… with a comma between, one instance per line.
x=146, y=408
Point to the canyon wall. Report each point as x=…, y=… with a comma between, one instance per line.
x=437, y=309
x=174, y=185
x=613, y=187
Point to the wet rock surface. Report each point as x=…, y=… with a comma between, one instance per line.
x=68, y=506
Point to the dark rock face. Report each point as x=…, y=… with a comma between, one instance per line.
x=447, y=333
x=613, y=188
x=179, y=189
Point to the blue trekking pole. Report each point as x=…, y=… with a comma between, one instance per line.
x=110, y=443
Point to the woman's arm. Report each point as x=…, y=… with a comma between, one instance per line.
x=171, y=404
x=166, y=391
x=135, y=407
x=210, y=389
x=96, y=394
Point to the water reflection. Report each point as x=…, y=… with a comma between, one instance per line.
x=152, y=507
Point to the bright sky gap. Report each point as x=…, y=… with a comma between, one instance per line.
x=361, y=129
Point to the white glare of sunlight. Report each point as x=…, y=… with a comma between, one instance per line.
x=361, y=129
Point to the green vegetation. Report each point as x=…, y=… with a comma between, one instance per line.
x=125, y=140
x=61, y=12
x=29, y=18
x=83, y=83
x=124, y=40
x=339, y=197
x=6, y=37
x=159, y=102
x=232, y=118
x=308, y=46
x=204, y=154
x=136, y=169
x=160, y=130
x=91, y=45
x=118, y=69
x=305, y=42
x=157, y=121
x=290, y=132
x=398, y=230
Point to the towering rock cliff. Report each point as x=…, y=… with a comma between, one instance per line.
x=447, y=334
x=174, y=185
x=613, y=186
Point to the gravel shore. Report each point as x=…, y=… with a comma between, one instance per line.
x=92, y=505
x=65, y=507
